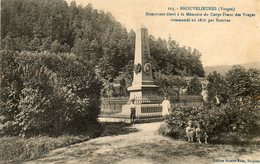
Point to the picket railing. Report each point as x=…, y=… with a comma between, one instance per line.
x=114, y=105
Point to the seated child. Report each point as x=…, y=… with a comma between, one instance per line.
x=206, y=137
x=198, y=133
x=190, y=132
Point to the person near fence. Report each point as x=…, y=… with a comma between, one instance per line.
x=166, y=106
x=133, y=111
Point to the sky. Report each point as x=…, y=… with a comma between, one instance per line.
x=236, y=42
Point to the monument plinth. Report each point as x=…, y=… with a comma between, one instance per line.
x=143, y=89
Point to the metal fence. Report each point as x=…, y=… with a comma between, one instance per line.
x=114, y=105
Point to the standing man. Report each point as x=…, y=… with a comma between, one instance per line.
x=133, y=111
x=166, y=106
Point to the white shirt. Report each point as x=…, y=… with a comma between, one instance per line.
x=132, y=105
x=166, y=106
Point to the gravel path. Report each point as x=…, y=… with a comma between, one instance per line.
x=146, y=146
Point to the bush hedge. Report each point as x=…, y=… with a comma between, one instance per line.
x=240, y=116
x=45, y=93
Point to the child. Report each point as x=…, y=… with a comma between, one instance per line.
x=190, y=131
x=206, y=137
x=198, y=133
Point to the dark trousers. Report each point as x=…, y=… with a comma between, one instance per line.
x=132, y=116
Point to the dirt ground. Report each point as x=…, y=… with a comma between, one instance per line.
x=146, y=146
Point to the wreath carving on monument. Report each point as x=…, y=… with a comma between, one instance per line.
x=137, y=68
x=147, y=67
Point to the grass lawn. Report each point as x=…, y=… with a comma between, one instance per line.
x=146, y=142
x=20, y=149
x=147, y=146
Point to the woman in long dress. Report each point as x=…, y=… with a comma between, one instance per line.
x=166, y=106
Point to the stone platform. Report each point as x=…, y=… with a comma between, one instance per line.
x=144, y=113
x=122, y=118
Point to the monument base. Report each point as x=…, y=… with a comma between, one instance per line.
x=143, y=110
x=143, y=92
x=146, y=100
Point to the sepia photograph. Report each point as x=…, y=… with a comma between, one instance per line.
x=130, y=82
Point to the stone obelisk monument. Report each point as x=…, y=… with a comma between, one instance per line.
x=143, y=84
x=143, y=89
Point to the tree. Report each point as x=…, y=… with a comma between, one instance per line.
x=242, y=82
x=92, y=35
x=171, y=59
x=158, y=51
x=46, y=93
x=194, y=87
x=217, y=86
x=11, y=87
x=169, y=85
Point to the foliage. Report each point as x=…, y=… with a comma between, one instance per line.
x=236, y=83
x=194, y=86
x=55, y=26
x=52, y=94
x=15, y=149
x=94, y=36
x=242, y=82
x=217, y=85
x=169, y=85
x=177, y=121
x=171, y=59
x=11, y=86
x=240, y=116
x=126, y=78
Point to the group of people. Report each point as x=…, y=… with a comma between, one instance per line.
x=197, y=132
x=166, y=106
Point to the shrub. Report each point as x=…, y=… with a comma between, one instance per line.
x=217, y=85
x=178, y=120
x=11, y=86
x=194, y=87
x=242, y=82
x=47, y=94
x=240, y=116
x=237, y=82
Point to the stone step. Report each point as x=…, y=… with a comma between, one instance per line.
x=118, y=118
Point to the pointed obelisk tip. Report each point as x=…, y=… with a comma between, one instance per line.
x=142, y=26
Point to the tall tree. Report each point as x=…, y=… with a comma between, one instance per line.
x=242, y=82
x=217, y=85
x=194, y=87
